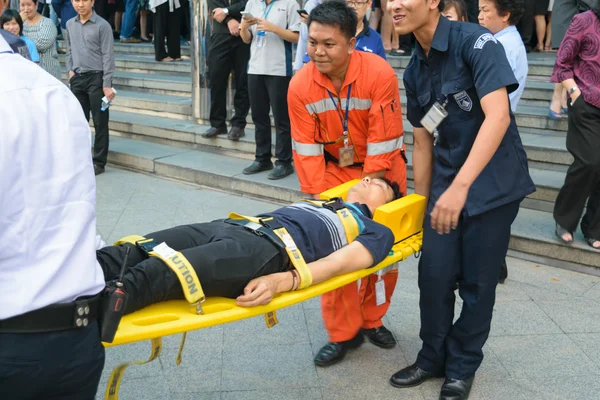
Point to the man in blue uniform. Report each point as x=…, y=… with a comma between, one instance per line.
x=469, y=161
x=250, y=263
x=367, y=38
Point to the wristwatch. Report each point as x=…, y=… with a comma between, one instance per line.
x=573, y=89
x=226, y=11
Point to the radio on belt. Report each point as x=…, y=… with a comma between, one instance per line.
x=113, y=305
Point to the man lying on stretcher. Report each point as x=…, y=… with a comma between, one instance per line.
x=236, y=262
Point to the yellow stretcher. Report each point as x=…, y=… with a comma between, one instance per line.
x=403, y=216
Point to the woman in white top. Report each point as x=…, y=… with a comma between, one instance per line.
x=43, y=33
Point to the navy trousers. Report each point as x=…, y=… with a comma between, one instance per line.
x=64, y=365
x=472, y=255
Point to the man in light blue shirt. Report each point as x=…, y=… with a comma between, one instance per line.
x=500, y=17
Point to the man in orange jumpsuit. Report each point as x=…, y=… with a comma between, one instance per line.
x=344, y=109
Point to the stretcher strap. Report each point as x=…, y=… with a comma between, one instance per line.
x=114, y=382
x=348, y=221
x=192, y=289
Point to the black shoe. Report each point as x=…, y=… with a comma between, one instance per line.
x=503, y=272
x=456, y=389
x=98, y=170
x=380, y=337
x=213, y=132
x=281, y=171
x=235, y=133
x=258, y=166
x=334, y=352
x=411, y=376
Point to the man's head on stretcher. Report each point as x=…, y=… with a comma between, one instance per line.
x=238, y=256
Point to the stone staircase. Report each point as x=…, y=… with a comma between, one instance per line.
x=152, y=131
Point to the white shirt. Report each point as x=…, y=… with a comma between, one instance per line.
x=47, y=191
x=517, y=58
x=302, y=47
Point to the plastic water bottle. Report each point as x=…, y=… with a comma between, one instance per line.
x=105, y=102
x=261, y=38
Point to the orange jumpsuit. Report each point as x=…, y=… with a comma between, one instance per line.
x=375, y=131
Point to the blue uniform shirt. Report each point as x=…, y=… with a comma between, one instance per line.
x=318, y=232
x=466, y=63
x=368, y=40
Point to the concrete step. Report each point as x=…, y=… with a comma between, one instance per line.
x=188, y=135
x=532, y=233
x=137, y=48
x=146, y=64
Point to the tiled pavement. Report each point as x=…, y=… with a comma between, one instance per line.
x=544, y=344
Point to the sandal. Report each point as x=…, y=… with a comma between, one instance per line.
x=555, y=116
x=560, y=231
x=591, y=241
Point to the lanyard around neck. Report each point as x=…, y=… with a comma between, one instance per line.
x=345, y=119
x=268, y=10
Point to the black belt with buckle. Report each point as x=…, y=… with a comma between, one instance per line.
x=55, y=317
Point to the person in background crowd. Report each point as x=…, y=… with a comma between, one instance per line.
x=390, y=39
x=65, y=11
x=272, y=28
x=577, y=69
x=166, y=23
x=539, y=15
x=4, y=4
x=302, y=47
x=376, y=13
x=227, y=52
x=358, y=87
x=42, y=32
x=91, y=66
x=143, y=7
x=129, y=16
x=116, y=8
x=15, y=43
x=548, y=41
x=471, y=165
x=527, y=23
x=48, y=205
x=455, y=10
x=11, y=21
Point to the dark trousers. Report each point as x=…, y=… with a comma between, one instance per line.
x=166, y=24
x=527, y=23
x=228, y=53
x=64, y=365
x=268, y=92
x=583, y=177
x=225, y=257
x=87, y=88
x=471, y=254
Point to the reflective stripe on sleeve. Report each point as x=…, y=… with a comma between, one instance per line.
x=379, y=148
x=307, y=149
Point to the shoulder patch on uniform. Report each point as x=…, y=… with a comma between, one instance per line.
x=483, y=39
x=464, y=101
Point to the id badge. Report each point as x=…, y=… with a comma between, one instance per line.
x=346, y=156
x=434, y=117
x=379, y=292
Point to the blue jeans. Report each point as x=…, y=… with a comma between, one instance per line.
x=128, y=23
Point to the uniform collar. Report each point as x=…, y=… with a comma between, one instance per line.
x=366, y=31
x=506, y=31
x=92, y=17
x=4, y=46
x=440, y=37
x=351, y=74
x=361, y=208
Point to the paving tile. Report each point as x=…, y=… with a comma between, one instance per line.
x=196, y=396
x=316, y=329
x=521, y=318
x=593, y=293
x=144, y=388
x=253, y=331
x=380, y=392
x=199, y=371
x=130, y=352
x=541, y=356
x=576, y=315
x=213, y=334
x=578, y=387
x=282, y=394
x=248, y=367
x=511, y=291
x=589, y=343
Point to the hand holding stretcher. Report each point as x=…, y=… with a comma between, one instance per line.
x=403, y=216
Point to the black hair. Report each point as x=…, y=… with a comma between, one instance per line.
x=459, y=6
x=442, y=5
x=9, y=15
x=395, y=188
x=596, y=10
x=335, y=13
x=516, y=8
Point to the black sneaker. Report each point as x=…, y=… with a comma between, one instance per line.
x=281, y=171
x=258, y=166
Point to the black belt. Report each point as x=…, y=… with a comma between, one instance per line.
x=88, y=73
x=55, y=317
x=267, y=233
x=330, y=158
